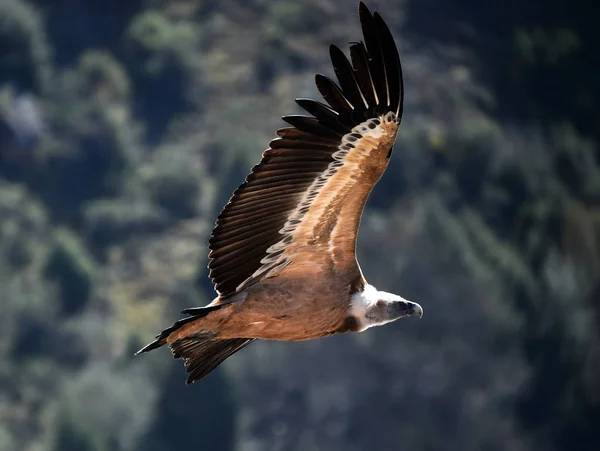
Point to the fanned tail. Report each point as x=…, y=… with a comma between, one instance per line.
x=203, y=353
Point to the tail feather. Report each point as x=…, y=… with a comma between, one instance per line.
x=203, y=353
x=197, y=312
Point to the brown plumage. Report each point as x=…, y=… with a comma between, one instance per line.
x=283, y=251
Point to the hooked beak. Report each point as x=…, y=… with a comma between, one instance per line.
x=411, y=309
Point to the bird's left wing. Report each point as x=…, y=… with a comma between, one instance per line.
x=300, y=207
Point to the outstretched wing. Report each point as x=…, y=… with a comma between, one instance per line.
x=300, y=207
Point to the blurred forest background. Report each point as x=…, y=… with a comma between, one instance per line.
x=124, y=128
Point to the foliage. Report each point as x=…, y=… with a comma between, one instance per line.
x=69, y=264
x=124, y=128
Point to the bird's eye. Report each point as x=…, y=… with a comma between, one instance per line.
x=379, y=303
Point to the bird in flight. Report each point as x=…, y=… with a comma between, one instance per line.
x=283, y=251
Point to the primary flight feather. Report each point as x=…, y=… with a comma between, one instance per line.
x=283, y=251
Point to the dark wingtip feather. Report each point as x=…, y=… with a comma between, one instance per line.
x=393, y=67
x=369, y=86
x=345, y=75
x=323, y=114
x=313, y=126
x=335, y=98
x=363, y=8
x=362, y=72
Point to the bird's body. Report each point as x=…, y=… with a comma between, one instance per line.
x=291, y=311
x=283, y=252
